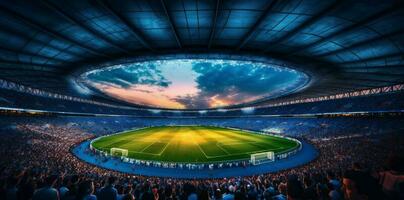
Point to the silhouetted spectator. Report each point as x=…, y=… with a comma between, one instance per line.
x=47, y=192
x=108, y=192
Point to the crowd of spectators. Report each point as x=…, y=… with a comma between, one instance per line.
x=313, y=127
x=36, y=163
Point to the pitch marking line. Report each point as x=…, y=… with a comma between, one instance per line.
x=128, y=137
x=230, y=154
x=218, y=144
x=220, y=147
x=250, y=152
x=197, y=144
x=141, y=151
x=200, y=148
x=165, y=147
x=144, y=153
x=236, y=143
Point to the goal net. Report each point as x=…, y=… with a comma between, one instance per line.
x=119, y=152
x=264, y=157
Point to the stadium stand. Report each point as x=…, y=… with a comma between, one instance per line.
x=44, y=143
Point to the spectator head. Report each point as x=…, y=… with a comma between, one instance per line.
x=396, y=163
x=231, y=189
x=359, y=185
x=66, y=181
x=111, y=180
x=51, y=180
x=322, y=190
x=120, y=189
x=294, y=188
x=350, y=183
x=155, y=189
x=75, y=179
x=128, y=197
x=330, y=175
x=128, y=189
x=357, y=166
x=282, y=188
x=307, y=181
x=86, y=188
x=217, y=194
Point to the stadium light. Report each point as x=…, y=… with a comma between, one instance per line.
x=202, y=112
x=155, y=111
x=248, y=110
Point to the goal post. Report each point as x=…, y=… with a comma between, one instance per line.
x=261, y=158
x=119, y=152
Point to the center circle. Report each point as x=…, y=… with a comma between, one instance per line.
x=194, y=83
x=192, y=144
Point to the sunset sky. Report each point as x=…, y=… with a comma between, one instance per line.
x=194, y=84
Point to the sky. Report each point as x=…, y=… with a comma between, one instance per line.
x=194, y=83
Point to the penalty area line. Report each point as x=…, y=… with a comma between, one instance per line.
x=141, y=151
x=165, y=147
x=220, y=147
x=200, y=149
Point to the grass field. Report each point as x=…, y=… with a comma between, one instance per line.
x=192, y=144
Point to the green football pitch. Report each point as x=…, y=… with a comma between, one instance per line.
x=192, y=144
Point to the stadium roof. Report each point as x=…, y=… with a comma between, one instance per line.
x=351, y=44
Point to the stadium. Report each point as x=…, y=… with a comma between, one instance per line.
x=208, y=99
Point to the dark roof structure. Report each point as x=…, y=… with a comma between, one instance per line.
x=352, y=44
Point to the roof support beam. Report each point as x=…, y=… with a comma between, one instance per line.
x=355, y=45
x=368, y=80
x=7, y=62
x=71, y=19
x=305, y=24
x=42, y=43
x=23, y=70
x=26, y=53
x=214, y=22
x=170, y=21
x=48, y=31
x=349, y=28
x=26, y=72
x=318, y=92
x=373, y=67
x=338, y=87
x=126, y=22
x=253, y=29
x=379, y=74
x=363, y=85
x=33, y=83
x=356, y=83
x=373, y=58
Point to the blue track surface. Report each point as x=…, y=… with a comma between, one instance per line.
x=305, y=155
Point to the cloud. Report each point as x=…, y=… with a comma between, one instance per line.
x=192, y=102
x=224, y=78
x=225, y=84
x=130, y=75
x=196, y=84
